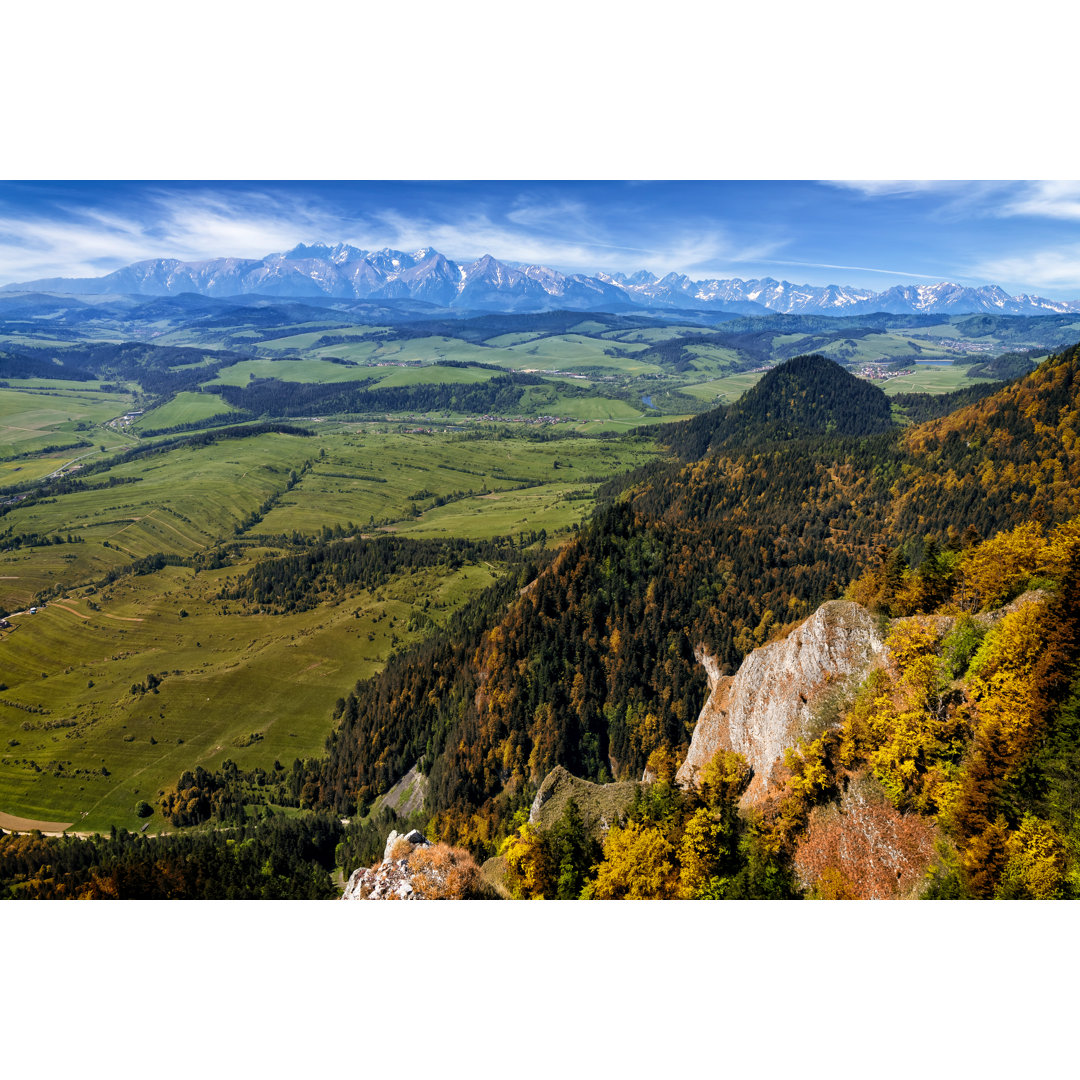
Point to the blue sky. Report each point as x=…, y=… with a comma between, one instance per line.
x=1023, y=235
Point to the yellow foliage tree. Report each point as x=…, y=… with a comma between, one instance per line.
x=638, y=865
x=997, y=568
x=529, y=873
x=724, y=778
x=700, y=853
x=1036, y=863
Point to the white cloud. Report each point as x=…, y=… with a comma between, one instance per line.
x=189, y=226
x=198, y=225
x=1046, y=198
x=1058, y=199
x=874, y=188
x=1057, y=270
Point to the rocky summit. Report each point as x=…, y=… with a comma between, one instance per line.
x=415, y=869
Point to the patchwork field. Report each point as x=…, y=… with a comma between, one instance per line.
x=401, y=479
x=78, y=744
x=874, y=347
x=33, y=418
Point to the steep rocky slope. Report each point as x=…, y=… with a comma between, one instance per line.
x=766, y=707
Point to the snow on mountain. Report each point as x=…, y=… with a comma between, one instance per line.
x=341, y=271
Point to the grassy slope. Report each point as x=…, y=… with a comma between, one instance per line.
x=228, y=676
x=185, y=408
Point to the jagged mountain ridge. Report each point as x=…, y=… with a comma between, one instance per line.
x=342, y=271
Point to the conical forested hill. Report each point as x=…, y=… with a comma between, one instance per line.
x=809, y=395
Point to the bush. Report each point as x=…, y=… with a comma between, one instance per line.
x=143, y=809
x=441, y=872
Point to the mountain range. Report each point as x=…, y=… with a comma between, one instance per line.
x=341, y=271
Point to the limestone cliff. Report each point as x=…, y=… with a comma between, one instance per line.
x=767, y=706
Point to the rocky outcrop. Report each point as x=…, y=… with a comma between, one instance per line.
x=769, y=704
x=391, y=879
x=601, y=805
x=415, y=869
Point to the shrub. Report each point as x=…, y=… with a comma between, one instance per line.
x=442, y=872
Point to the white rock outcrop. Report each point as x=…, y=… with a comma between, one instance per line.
x=392, y=878
x=766, y=706
x=413, y=868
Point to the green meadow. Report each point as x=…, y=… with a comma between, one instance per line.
x=930, y=379
x=299, y=370
x=724, y=390
x=569, y=352
x=79, y=744
x=187, y=407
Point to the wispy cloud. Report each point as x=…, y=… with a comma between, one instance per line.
x=1046, y=198
x=77, y=242
x=874, y=188
x=864, y=269
x=1059, y=199
x=195, y=225
x=1055, y=269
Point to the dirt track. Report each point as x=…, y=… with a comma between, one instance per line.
x=64, y=607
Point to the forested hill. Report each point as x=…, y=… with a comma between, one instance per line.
x=1011, y=457
x=593, y=665
x=809, y=395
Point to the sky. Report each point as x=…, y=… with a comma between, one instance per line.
x=1022, y=235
